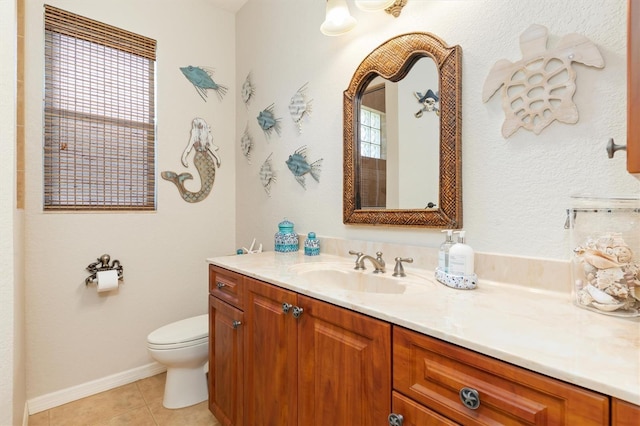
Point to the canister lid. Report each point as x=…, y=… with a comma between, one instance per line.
x=185, y=330
x=285, y=225
x=311, y=235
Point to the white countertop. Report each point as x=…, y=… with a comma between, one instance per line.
x=536, y=329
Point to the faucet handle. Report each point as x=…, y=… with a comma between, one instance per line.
x=359, y=259
x=379, y=258
x=398, y=271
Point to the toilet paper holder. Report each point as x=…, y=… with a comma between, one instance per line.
x=102, y=264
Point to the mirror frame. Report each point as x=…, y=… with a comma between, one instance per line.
x=392, y=60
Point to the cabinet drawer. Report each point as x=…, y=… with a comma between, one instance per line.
x=414, y=414
x=227, y=286
x=436, y=373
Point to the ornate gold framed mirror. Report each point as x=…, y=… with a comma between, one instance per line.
x=377, y=178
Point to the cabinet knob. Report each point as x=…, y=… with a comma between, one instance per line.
x=220, y=284
x=470, y=398
x=612, y=148
x=286, y=307
x=395, y=419
x=236, y=323
x=297, y=311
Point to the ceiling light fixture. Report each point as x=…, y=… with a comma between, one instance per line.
x=338, y=19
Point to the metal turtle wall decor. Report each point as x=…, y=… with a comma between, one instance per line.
x=539, y=88
x=205, y=159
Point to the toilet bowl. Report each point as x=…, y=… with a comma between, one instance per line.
x=183, y=347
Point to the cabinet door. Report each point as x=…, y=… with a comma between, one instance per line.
x=624, y=413
x=414, y=414
x=226, y=353
x=439, y=375
x=270, y=356
x=345, y=366
x=633, y=87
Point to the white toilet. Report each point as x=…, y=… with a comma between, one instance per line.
x=183, y=347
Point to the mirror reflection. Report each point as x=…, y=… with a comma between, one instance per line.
x=402, y=135
x=399, y=141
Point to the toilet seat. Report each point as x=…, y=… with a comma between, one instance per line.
x=184, y=333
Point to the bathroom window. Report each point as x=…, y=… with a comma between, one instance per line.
x=99, y=116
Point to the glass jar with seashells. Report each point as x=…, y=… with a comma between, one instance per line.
x=605, y=254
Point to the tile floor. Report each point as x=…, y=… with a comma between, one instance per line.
x=136, y=404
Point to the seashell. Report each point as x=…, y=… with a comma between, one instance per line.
x=584, y=298
x=599, y=260
x=607, y=307
x=600, y=296
x=623, y=254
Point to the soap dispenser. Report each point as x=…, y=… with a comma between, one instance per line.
x=443, y=253
x=461, y=257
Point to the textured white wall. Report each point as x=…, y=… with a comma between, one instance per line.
x=76, y=335
x=515, y=191
x=8, y=337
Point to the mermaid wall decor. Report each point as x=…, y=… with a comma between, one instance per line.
x=205, y=159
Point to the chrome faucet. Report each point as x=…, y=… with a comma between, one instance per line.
x=377, y=262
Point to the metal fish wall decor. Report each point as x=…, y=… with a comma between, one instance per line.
x=202, y=80
x=205, y=159
x=267, y=175
x=299, y=106
x=248, y=90
x=246, y=144
x=299, y=166
x=268, y=121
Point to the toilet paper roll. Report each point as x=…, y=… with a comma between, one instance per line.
x=107, y=280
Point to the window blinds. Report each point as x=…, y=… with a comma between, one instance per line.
x=99, y=135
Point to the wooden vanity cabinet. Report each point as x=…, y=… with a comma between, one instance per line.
x=633, y=87
x=344, y=366
x=312, y=363
x=439, y=375
x=624, y=413
x=271, y=361
x=226, y=346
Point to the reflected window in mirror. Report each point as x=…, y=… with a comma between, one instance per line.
x=373, y=148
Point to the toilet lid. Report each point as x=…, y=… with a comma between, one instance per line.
x=186, y=330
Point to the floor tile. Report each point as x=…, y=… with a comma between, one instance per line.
x=39, y=419
x=136, y=417
x=152, y=387
x=196, y=415
x=98, y=408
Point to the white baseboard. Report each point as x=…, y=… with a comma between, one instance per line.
x=54, y=399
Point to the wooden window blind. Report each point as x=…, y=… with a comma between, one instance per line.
x=99, y=116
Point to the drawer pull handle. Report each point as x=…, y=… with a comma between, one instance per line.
x=286, y=307
x=236, y=323
x=220, y=284
x=395, y=419
x=470, y=398
x=297, y=311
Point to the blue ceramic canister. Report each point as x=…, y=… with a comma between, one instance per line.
x=311, y=245
x=286, y=240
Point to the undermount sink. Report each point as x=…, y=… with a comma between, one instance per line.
x=343, y=276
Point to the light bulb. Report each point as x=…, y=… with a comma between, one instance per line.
x=338, y=19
